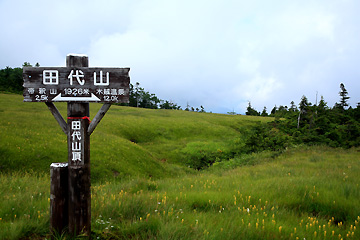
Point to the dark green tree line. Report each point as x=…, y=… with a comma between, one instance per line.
x=337, y=126
x=138, y=97
x=11, y=80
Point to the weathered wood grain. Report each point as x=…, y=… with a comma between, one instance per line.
x=70, y=187
x=86, y=88
x=59, y=217
x=79, y=171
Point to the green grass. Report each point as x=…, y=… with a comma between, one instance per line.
x=24, y=205
x=143, y=189
x=128, y=141
x=286, y=197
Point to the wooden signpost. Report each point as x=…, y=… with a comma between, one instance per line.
x=77, y=84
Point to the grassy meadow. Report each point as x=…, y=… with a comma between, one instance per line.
x=128, y=141
x=142, y=187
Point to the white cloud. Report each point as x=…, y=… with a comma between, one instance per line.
x=263, y=89
x=218, y=54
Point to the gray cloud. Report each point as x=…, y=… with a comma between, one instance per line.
x=219, y=54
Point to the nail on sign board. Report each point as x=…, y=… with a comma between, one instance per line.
x=67, y=84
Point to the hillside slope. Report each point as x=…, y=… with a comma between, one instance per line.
x=127, y=142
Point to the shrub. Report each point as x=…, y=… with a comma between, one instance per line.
x=200, y=155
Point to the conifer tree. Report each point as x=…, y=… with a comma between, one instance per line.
x=273, y=111
x=343, y=97
x=304, y=109
x=293, y=107
x=264, y=112
x=251, y=111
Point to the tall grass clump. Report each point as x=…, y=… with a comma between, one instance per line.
x=24, y=205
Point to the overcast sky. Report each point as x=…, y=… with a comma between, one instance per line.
x=220, y=54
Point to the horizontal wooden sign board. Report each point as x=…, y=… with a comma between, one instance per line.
x=76, y=84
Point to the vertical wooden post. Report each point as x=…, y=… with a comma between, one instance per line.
x=79, y=159
x=59, y=219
